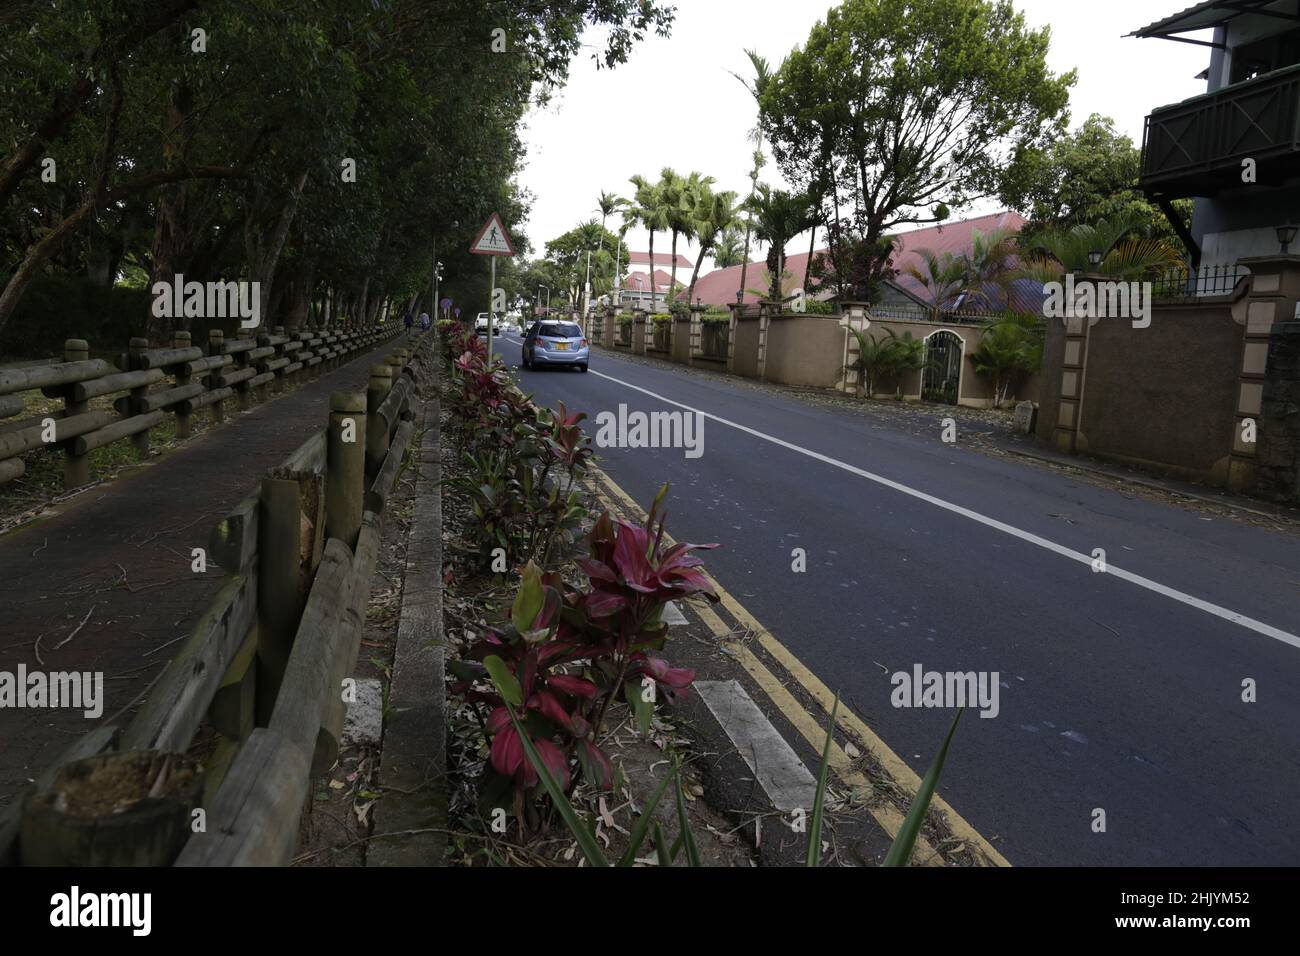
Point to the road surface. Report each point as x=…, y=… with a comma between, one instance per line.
x=1119, y=691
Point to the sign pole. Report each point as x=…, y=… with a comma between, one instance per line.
x=492, y=241
x=492, y=295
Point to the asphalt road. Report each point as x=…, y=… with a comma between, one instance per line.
x=1119, y=691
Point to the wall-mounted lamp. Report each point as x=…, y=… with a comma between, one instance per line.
x=1285, y=235
x=1094, y=259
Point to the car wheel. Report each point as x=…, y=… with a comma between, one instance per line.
x=582, y=367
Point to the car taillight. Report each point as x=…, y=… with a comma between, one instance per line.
x=582, y=344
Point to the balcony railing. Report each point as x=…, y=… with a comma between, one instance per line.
x=1196, y=147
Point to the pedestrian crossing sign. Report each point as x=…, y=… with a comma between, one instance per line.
x=492, y=239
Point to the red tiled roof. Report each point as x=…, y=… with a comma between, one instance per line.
x=662, y=258
x=720, y=286
x=663, y=281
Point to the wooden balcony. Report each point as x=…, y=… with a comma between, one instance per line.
x=1196, y=147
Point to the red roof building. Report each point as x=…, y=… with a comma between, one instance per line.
x=720, y=286
x=663, y=260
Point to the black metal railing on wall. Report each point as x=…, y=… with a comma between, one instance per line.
x=1183, y=284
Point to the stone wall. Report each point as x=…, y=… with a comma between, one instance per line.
x=1209, y=390
x=805, y=350
x=1279, y=440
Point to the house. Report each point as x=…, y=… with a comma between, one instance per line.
x=640, y=262
x=636, y=292
x=1236, y=147
x=719, y=287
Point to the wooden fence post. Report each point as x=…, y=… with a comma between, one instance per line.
x=181, y=340
x=345, y=466
x=76, y=468
x=381, y=383
x=290, y=527
x=140, y=440
x=217, y=346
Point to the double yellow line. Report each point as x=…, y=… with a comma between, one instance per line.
x=810, y=726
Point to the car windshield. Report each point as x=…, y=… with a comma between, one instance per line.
x=559, y=330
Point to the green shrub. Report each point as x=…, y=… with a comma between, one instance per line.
x=56, y=308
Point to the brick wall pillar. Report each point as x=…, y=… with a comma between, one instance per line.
x=1270, y=302
x=765, y=312
x=610, y=330
x=639, y=323
x=697, y=330
x=854, y=317
x=731, y=337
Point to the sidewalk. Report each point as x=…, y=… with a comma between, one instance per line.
x=109, y=572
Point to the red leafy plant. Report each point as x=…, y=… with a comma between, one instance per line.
x=567, y=652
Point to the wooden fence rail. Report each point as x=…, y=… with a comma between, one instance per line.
x=241, y=369
x=264, y=666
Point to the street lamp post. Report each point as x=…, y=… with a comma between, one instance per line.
x=586, y=289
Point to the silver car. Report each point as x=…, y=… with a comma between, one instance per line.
x=555, y=343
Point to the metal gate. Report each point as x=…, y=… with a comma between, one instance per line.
x=942, y=372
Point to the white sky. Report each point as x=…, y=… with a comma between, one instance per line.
x=605, y=126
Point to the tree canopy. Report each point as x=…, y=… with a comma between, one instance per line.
x=330, y=149
x=1089, y=175
x=900, y=109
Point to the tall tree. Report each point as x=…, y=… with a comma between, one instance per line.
x=1088, y=175
x=648, y=209
x=757, y=87
x=919, y=105
x=779, y=216
x=715, y=217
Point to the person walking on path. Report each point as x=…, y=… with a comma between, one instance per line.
x=425, y=322
x=408, y=321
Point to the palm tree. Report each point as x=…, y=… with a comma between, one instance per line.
x=728, y=250
x=941, y=276
x=756, y=87
x=607, y=203
x=887, y=357
x=875, y=358
x=779, y=216
x=715, y=216
x=990, y=268
x=681, y=196
x=1125, y=253
x=1009, y=348
x=647, y=208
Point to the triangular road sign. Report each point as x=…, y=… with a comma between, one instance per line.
x=492, y=239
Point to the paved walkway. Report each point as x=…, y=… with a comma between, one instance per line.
x=118, y=559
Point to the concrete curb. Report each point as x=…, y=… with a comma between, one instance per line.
x=729, y=751
x=411, y=818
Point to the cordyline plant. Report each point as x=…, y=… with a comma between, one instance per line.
x=567, y=652
x=521, y=463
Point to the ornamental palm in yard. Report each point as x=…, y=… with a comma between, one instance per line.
x=779, y=216
x=1126, y=253
x=1009, y=349
x=876, y=358
x=942, y=277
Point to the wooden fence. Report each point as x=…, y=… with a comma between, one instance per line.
x=265, y=665
x=151, y=383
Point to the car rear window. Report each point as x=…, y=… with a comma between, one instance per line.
x=560, y=330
